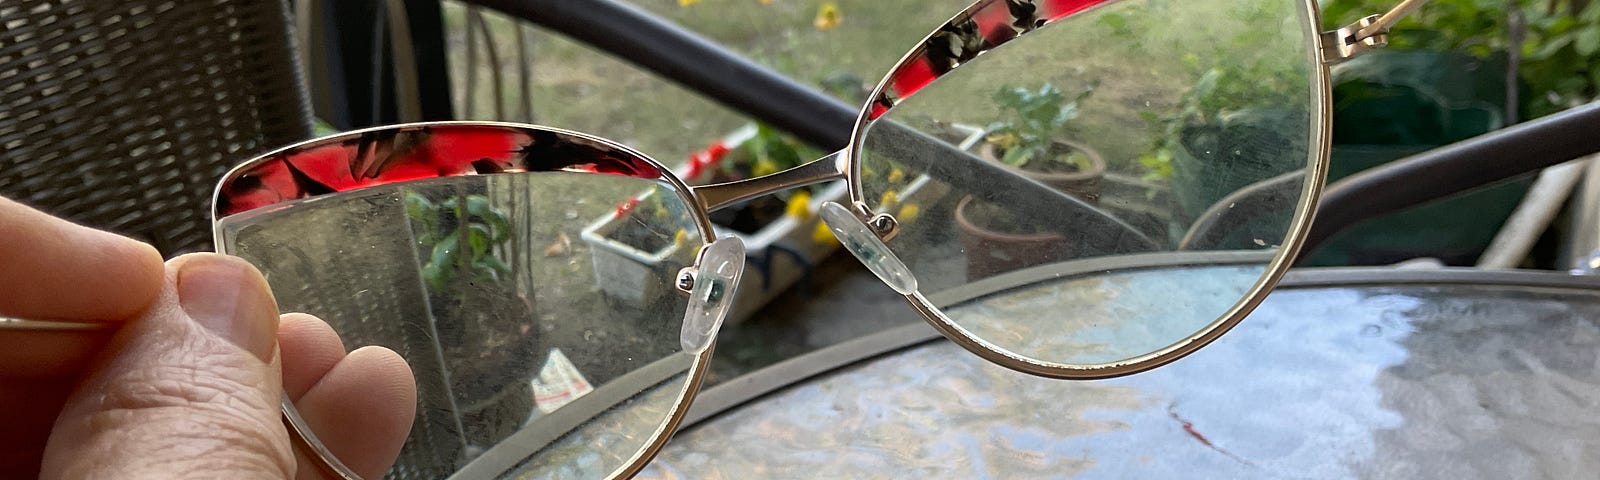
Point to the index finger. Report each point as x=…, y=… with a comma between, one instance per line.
x=52, y=269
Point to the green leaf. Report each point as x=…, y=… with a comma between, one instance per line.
x=478, y=237
x=420, y=210
x=1550, y=48
x=417, y=206
x=1588, y=41
x=482, y=274
x=435, y=277
x=494, y=263
x=444, y=253
x=1018, y=156
x=478, y=206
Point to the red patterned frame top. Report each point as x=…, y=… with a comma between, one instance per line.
x=354, y=160
x=980, y=28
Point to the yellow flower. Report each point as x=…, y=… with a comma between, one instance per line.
x=823, y=236
x=827, y=16
x=889, y=199
x=764, y=168
x=681, y=237
x=908, y=213
x=685, y=3
x=799, y=205
x=763, y=2
x=896, y=174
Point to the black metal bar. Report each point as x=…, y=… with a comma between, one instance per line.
x=426, y=19
x=350, y=26
x=697, y=63
x=327, y=70
x=1456, y=168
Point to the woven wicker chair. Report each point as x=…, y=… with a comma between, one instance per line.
x=123, y=114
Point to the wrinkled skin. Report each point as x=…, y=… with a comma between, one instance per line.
x=186, y=381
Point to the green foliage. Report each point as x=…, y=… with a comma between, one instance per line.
x=1239, y=70
x=1030, y=121
x=1220, y=94
x=441, y=232
x=1560, y=49
x=772, y=151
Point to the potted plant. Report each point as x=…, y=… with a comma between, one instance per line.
x=1027, y=138
x=998, y=240
x=764, y=152
x=777, y=230
x=478, y=315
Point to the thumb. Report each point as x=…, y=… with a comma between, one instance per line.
x=190, y=389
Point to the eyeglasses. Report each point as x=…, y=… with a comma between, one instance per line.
x=1126, y=185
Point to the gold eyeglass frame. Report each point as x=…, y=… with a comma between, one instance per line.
x=1328, y=49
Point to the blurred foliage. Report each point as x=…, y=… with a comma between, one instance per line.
x=1560, y=47
x=1229, y=82
x=1032, y=119
x=771, y=151
x=444, y=227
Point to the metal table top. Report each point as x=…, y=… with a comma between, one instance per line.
x=1353, y=373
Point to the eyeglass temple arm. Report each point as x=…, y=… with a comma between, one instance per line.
x=1388, y=19
x=1365, y=34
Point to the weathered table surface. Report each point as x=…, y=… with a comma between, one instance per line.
x=1366, y=373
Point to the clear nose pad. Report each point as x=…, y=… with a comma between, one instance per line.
x=867, y=247
x=716, y=276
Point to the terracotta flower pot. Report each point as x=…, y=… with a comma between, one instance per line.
x=1082, y=184
x=991, y=252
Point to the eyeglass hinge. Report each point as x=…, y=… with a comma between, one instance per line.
x=1348, y=42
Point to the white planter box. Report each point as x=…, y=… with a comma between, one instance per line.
x=624, y=272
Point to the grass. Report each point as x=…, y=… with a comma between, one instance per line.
x=579, y=88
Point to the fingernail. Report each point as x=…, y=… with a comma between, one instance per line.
x=228, y=297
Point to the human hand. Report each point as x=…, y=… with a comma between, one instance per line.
x=185, y=382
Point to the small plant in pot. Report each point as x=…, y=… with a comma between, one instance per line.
x=1028, y=138
x=480, y=319
x=997, y=239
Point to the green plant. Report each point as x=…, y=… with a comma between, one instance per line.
x=1030, y=121
x=771, y=151
x=1241, y=66
x=1221, y=92
x=1557, y=41
x=445, y=227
